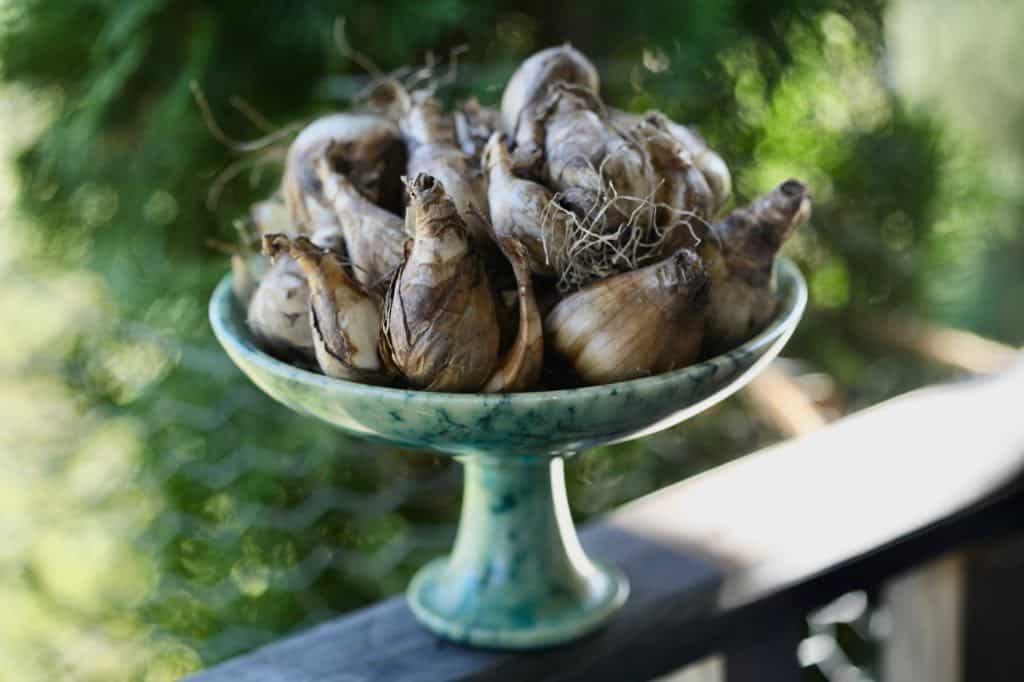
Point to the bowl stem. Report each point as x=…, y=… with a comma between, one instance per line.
x=517, y=577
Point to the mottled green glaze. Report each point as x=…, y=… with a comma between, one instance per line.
x=517, y=577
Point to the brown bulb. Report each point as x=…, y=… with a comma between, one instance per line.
x=635, y=324
x=374, y=237
x=519, y=369
x=344, y=319
x=520, y=210
x=367, y=148
x=440, y=324
x=740, y=256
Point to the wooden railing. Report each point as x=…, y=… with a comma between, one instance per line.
x=731, y=561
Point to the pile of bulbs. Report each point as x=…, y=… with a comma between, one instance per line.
x=554, y=242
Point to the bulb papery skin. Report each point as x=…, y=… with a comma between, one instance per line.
x=528, y=86
x=374, y=237
x=520, y=209
x=710, y=164
x=278, y=312
x=702, y=156
x=684, y=200
x=366, y=147
x=683, y=187
x=636, y=324
x=434, y=150
x=718, y=177
x=520, y=368
x=474, y=125
x=344, y=318
x=740, y=256
x=589, y=160
x=440, y=328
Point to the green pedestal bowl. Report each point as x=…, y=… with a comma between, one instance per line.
x=517, y=577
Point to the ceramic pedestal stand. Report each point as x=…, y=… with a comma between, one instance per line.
x=517, y=577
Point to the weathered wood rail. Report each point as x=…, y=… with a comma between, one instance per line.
x=732, y=560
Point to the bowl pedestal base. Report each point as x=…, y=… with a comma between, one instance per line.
x=517, y=577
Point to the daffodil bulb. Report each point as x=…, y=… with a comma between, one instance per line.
x=440, y=326
x=636, y=324
x=278, y=308
x=591, y=162
x=278, y=312
x=344, y=319
x=520, y=367
x=529, y=84
x=521, y=210
x=374, y=237
x=740, y=255
x=434, y=150
x=707, y=160
x=366, y=147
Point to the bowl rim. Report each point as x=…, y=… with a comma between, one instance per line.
x=223, y=305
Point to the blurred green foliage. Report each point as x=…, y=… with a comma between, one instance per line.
x=169, y=515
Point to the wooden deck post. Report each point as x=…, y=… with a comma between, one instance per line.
x=925, y=608
x=959, y=618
